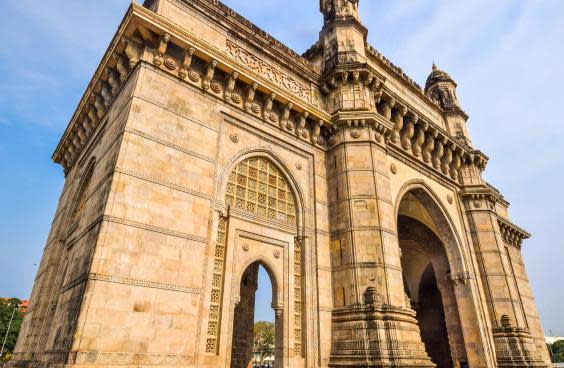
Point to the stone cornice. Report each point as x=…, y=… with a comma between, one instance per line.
x=90, y=117
x=480, y=192
x=511, y=233
x=127, y=50
x=258, y=87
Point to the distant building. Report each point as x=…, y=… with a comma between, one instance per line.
x=552, y=339
x=23, y=305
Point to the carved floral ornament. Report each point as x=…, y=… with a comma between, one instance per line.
x=268, y=71
x=461, y=278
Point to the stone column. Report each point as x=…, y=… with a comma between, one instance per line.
x=373, y=324
x=512, y=337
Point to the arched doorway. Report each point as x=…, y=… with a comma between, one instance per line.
x=260, y=226
x=423, y=238
x=247, y=346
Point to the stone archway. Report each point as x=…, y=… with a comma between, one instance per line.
x=426, y=267
x=260, y=227
x=243, y=322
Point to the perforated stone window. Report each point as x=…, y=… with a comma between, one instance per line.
x=255, y=186
x=258, y=187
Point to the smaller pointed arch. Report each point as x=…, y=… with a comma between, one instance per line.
x=82, y=193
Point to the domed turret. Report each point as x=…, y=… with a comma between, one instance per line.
x=441, y=88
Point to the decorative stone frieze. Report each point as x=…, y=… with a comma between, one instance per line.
x=268, y=71
x=126, y=53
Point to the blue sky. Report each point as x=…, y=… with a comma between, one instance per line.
x=506, y=56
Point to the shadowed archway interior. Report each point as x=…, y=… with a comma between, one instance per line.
x=426, y=272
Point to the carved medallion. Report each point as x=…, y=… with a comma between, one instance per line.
x=299, y=166
x=236, y=98
x=289, y=126
x=234, y=137
x=378, y=137
x=355, y=133
x=245, y=247
x=216, y=87
x=170, y=63
x=273, y=117
x=477, y=204
x=394, y=169
x=276, y=254
x=255, y=108
x=194, y=76
x=449, y=199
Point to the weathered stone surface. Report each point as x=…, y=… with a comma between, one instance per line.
x=204, y=148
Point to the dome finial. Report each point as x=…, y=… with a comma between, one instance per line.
x=434, y=65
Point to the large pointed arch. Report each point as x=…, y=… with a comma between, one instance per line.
x=436, y=273
x=444, y=226
x=243, y=172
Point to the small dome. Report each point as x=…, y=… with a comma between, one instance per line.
x=437, y=76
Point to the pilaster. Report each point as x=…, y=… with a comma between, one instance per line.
x=373, y=323
x=512, y=337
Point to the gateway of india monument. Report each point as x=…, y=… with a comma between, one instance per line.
x=203, y=148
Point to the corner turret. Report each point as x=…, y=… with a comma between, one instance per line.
x=441, y=88
x=343, y=36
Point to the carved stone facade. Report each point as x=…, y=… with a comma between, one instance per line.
x=204, y=148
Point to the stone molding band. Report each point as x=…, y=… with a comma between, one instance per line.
x=111, y=358
x=122, y=221
x=142, y=283
x=170, y=145
x=161, y=182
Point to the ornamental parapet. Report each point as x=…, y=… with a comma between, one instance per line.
x=310, y=112
x=145, y=37
x=357, y=96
